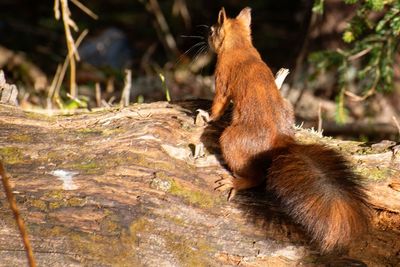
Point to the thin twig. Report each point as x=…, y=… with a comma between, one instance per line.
x=69, y=24
x=52, y=87
x=358, y=98
x=17, y=215
x=127, y=88
x=98, y=94
x=369, y=93
x=319, y=117
x=359, y=54
x=396, y=122
x=65, y=65
x=299, y=64
x=57, y=9
x=89, y=12
x=72, y=51
x=77, y=100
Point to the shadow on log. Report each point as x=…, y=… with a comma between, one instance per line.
x=134, y=187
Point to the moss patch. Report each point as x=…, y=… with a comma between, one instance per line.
x=11, y=155
x=194, y=197
x=22, y=138
x=88, y=131
x=174, y=220
x=189, y=252
x=54, y=195
x=110, y=224
x=52, y=156
x=93, y=249
x=112, y=132
x=39, y=204
x=40, y=116
x=76, y=202
x=151, y=163
x=88, y=167
x=138, y=227
x=115, y=251
x=57, y=199
x=376, y=173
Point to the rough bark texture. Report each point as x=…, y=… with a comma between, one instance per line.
x=125, y=188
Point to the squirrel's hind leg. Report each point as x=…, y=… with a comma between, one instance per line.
x=236, y=183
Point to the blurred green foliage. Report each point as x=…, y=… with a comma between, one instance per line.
x=372, y=37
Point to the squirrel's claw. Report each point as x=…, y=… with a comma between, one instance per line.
x=225, y=184
x=231, y=194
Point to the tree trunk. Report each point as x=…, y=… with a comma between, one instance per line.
x=134, y=187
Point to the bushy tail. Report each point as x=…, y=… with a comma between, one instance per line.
x=320, y=192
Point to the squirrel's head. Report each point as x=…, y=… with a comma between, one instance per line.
x=230, y=32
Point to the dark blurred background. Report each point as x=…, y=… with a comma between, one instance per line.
x=279, y=27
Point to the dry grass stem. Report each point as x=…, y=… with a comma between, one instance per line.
x=369, y=93
x=396, y=122
x=72, y=51
x=127, y=88
x=52, y=87
x=98, y=94
x=59, y=77
x=69, y=24
x=357, y=98
x=57, y=9
x=89, y=12
x=319, y=118
x=359, y=54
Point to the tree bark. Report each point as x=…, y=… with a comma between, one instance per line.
x=134, y=187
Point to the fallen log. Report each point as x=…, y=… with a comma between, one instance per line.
x=134, y=187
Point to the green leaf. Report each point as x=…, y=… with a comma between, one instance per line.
x=318, y=6
x=348, y=37
x=376, y=5
x=164, y=84
x=341, y=114
x=372, y=39
x=350, y=2
x=395, y=25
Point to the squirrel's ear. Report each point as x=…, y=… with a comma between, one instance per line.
x=245, y=16
x=221, y=16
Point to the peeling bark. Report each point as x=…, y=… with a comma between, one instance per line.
x=134, y=187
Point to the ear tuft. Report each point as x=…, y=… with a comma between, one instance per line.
x=221, y=16
x=245, y=16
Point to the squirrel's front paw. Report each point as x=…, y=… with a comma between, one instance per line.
x=202, y=117
x=225, y=184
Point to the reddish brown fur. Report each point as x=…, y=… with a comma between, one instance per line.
x=314, y=183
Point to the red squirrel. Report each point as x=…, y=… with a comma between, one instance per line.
x=314, y=183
